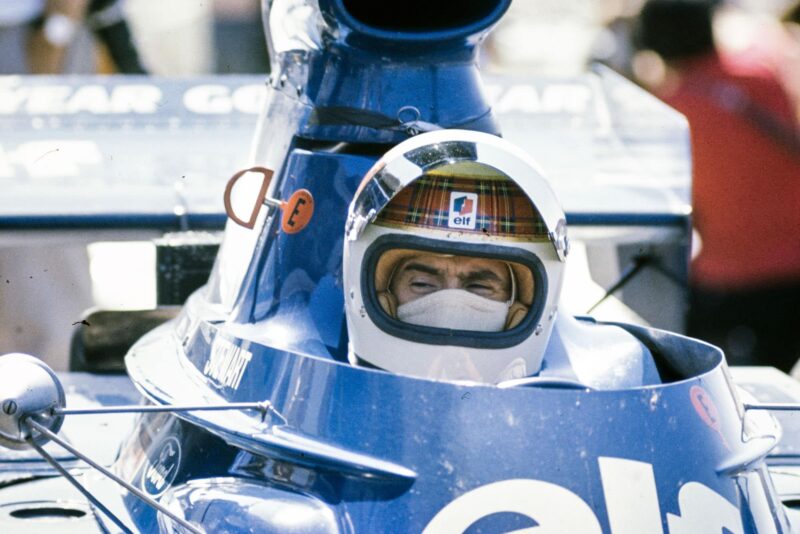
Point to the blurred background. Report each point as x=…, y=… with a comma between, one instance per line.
x=544, y=38
x=192, y=37
x=175, y=38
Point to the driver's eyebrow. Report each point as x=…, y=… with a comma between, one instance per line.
x=484, y=275
x=427, y=269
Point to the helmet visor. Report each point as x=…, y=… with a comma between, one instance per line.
x=453, y=291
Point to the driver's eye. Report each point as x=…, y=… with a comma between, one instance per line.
x=424, y=285
x=480, y=289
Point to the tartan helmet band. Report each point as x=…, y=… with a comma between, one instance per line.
x=488, y=205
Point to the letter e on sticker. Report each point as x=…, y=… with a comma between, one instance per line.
x=297, y=211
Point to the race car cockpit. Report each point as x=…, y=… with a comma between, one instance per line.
x=454, y=261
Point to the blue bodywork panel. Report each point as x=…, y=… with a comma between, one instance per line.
x=378, y=449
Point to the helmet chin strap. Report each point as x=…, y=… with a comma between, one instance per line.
x=391, y=277
x=513, y=284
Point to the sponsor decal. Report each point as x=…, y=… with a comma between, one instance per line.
x=463, y=210
x=126, y=99
x=297, y=211
x=631, y=500
x=69, y=100
x=161, y=469
x=227, y=363
x=220, y=100
x=707, y=411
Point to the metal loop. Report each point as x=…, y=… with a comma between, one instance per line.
x=405, y=109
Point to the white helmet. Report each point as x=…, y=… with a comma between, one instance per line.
x=453, y=260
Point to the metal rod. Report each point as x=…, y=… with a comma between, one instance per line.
x=777, y=407
x=639, y=262
x=46, y=432
x=262, y=407
x=72, y=480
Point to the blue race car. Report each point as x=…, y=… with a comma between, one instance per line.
x=381, y=346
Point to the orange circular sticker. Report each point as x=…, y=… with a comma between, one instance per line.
x=297, y=211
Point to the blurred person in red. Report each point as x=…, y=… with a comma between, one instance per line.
x=791, y=25
x=745, y=280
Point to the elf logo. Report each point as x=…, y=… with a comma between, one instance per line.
x=632, y=505
x=463, y=210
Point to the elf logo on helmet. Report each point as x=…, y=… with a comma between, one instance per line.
x=463, y=208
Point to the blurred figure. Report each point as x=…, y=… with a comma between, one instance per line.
x=239, y=42
x=16, y=22
x=175, y=37
x=791, y=24
x=52, y=37
x=745, y=280
x=191, y=38
x=107, y=20
x=549, y=37
x=613, y=45
x=53, y=33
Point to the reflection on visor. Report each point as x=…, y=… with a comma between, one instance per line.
x=453, y=291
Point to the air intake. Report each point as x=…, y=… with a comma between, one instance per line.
x=424, y=16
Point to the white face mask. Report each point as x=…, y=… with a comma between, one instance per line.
x=456, y=309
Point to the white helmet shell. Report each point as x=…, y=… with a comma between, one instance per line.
x=382, y=341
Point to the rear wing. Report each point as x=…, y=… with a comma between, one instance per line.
x=97, y=152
